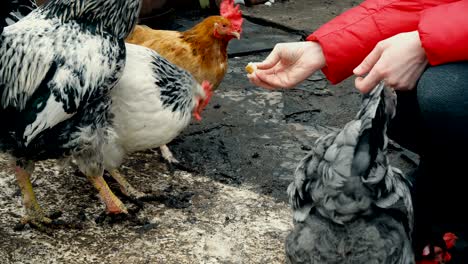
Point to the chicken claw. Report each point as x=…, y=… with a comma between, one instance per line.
x=34, y=216
x=38, y=221
x=167, y=154
x=126, y=188
x=113, y=204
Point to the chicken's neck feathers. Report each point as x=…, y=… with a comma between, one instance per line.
x=177, y=87
x=202, y=38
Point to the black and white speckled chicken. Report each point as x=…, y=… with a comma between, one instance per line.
x=151, y=105
x=350, y=205
x=57, y=67
x=15, y=10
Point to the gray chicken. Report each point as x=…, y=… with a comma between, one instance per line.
x=350, y=205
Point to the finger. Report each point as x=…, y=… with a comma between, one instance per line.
x=278, y=68
x=256, y=81
x=368, y=63
x=270, y=61
x=366, y=84
x=272, y=80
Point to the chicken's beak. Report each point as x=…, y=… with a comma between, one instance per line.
x=235, y=34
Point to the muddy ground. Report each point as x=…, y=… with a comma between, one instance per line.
x=227, y=204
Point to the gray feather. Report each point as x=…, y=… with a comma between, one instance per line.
x=377, y=240
x=346, y=184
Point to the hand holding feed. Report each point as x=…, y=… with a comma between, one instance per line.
x=287, y=65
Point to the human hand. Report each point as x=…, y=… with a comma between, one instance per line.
x=399, y=61
x=288, y=65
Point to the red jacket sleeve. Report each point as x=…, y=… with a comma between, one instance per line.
x=347, y=39
x=444, y=32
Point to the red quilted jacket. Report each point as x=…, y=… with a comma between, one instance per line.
x=347, y=39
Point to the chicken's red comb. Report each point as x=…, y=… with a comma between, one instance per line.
x=233, y=13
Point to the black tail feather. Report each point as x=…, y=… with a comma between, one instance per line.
x=372, y=137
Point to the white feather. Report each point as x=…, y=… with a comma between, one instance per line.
x=52, y=114
x=82, y=68
x=141, y=121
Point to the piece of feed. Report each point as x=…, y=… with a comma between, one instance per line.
x=251, y=67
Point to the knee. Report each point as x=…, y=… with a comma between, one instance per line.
x=443, y=90
x=442, y=95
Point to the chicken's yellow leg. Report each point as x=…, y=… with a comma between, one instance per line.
x=126, y=188
x=34, y=213
x=113, y=204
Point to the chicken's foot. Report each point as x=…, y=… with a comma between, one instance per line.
x=167, y=154
x=126, y=188
x=34, y=216
x=113, y=204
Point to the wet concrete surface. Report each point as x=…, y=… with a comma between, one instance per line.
x=257, y=35
x=305, y=15
x=196, y=220
x=256, y=136
x=227, y=202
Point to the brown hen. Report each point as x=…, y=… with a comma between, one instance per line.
x=201, y=50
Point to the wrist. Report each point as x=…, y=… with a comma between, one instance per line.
x=316, y=53
x=420, y=48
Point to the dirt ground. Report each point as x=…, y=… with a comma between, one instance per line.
x=228, y=203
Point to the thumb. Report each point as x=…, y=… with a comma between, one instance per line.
x=368, y=63
x=270, y=61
